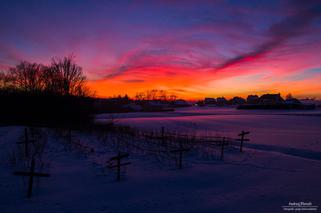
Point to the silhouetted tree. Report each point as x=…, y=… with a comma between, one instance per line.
x=62, y=77
x=5, y=80
x=162, y=95
x=66, y=77
x=140, y=96
x=172, y=98
x=154, y=94
x=27, y=76
x=2, y=79
x=126, y=98
x=289, y=96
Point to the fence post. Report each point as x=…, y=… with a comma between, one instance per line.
x=222, y=148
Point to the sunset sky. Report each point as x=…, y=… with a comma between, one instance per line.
x=193, y=49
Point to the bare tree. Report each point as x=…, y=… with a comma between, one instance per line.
x=162, y=95
x=27, y=76
x=66, y=77
x=151, y=94
x=140, y=96
x=2, y=80
x=62, y=77
x=155, y=94
x=289, y=96
x=172, y=98
x=6, y=81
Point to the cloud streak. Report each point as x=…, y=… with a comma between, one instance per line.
x=173, y=53
x=279, y=33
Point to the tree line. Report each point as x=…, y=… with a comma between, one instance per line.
x=155, y=95
x=61, y=77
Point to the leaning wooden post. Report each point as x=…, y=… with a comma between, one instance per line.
x=163, y=131
x=118, y=164
x=180, y=166
x=242, y=139
x=163, y=135
x=118, y=167
x=26, y=141
x=222, y=148
x=32, y=171
x=180, y=159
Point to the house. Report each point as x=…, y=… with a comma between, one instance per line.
x=271, y=99
x=180, y=103
x=221, y=101
x=292, y=101
x=275, y=101
x=200, y=103
x=209, y=101
x=252, y=99
x=308, y=101
x=237, y=101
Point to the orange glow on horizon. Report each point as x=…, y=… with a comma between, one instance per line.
x=191, y=85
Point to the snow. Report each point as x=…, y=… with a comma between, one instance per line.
x=280, y=164
x=295, y=129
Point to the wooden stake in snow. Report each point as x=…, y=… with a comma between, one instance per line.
x=26, y=142
x=242, y=139
x=223, y=143
x=118, y=164
x=163, y=135
x=31, y=174
x=180, y=159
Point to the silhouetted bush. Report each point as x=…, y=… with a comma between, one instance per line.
x=44, y=109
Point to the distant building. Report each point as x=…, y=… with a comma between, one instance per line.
x=155, y=106
x=252, y=99
x=180, y=103
x=221, y=101
x=275, y=101
x=309, y=101
x=200, y=103
x=237, y=101
x=209, y=101
x=156, y=103
x=292, y=101
x=271, y=99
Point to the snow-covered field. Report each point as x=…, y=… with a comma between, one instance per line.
x=281, y=164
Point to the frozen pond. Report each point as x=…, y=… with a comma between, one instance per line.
x=277, y=129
